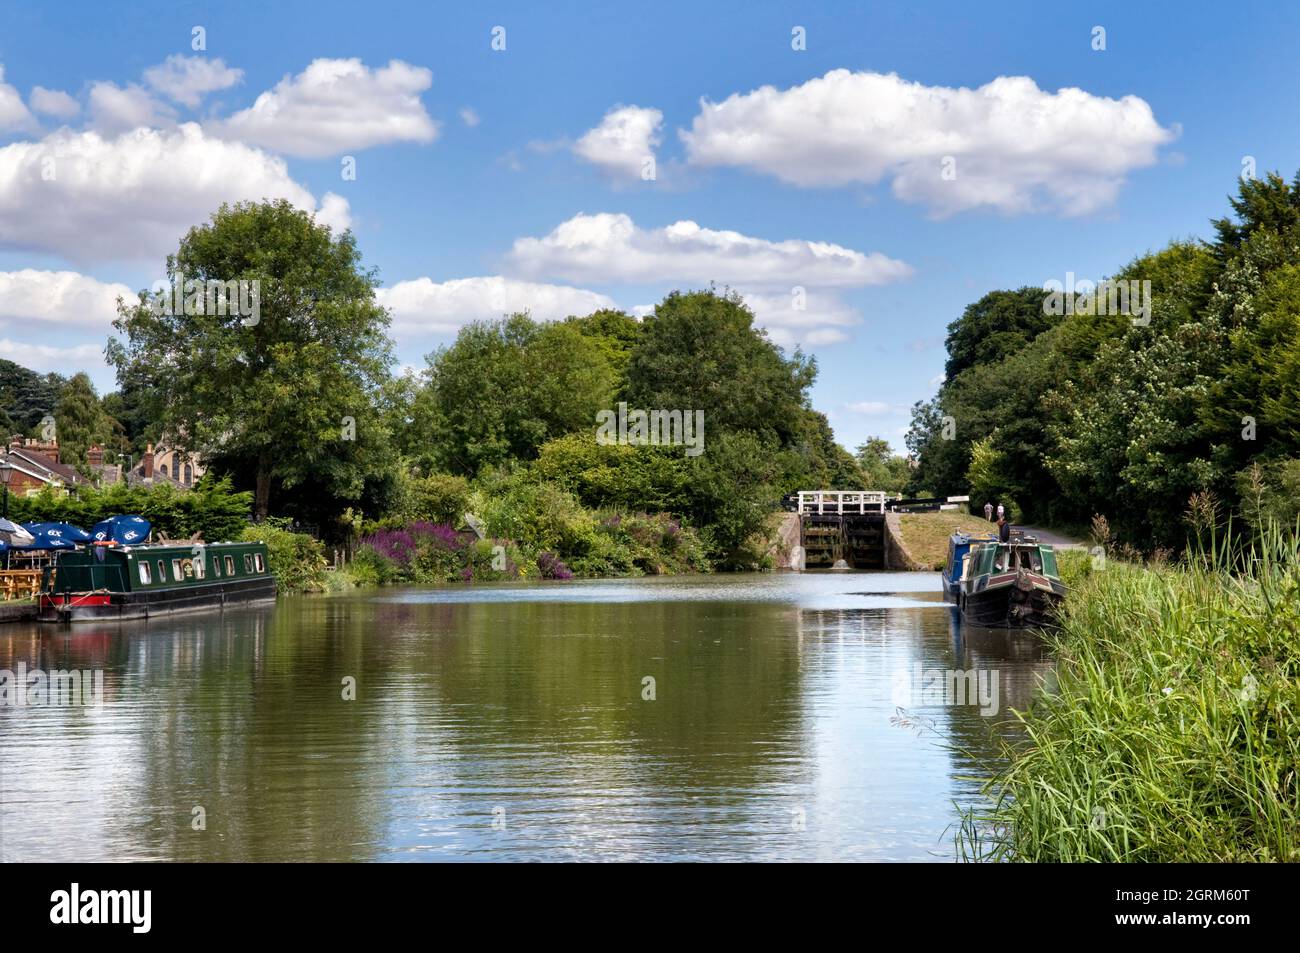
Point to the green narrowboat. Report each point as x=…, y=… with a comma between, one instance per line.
x=1012, y=584
x=105, y=581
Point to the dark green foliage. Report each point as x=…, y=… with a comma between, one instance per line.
x=212, y=509
x=517, y=392
x=1268, y=204
x=285, y=395
x=995, y=327
x=1102, y=414
x=439, y=498
x=128, y=408
x=297, y=560
x=733, y=486
x=700, y=351
x=882, y=469
x=81, y=421
x=26, y=397
x=506, y=387
x=616, y=334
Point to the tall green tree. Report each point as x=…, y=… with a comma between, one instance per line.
x=882, y=469
x=285, y=394
x=80, y=421
x=506, y=387
x=995, y=327
x=616, y=334
x=700, y=351
x=28, y=397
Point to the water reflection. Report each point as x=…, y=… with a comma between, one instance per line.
x=516, y=722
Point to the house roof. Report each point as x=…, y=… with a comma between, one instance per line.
x=46, y=468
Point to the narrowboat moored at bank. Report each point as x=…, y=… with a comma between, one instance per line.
x=109, y=582
x=959, y=545
x=1013, y=584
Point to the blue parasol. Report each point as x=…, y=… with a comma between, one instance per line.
x=42, y=541
x=128, y=530
x=73, y=534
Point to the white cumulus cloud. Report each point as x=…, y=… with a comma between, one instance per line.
x=1013, y=147
x=115, y=109
x=13, y=112
x=610, y=247
x=53, y=102
x=56, y=300
x=624, y=140
x=187, y=79
x=48, y=357
x=335, y=105
x=422, y=305
x=807, y=318
x=89, y=197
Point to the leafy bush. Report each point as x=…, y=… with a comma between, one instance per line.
x=539, y=515
x=368, y=568
x=605, y=556
x=439, y=498
x=616, y=475
x=550, y=566
x=297, y=560
x=425, y=553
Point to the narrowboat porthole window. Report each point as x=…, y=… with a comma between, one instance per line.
x=216, y=566
x=162, y=571
x=259, y=562
x=198, y=567
x=230, y=565
x=144, y=573
x=248, y=563
x=177, y=573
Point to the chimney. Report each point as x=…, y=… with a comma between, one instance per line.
x=95, y=456
x=147, y=462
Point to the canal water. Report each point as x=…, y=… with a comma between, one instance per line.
x=730, y=717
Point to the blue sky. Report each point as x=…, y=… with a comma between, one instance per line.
x=470, y=161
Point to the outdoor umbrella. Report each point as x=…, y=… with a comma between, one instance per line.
x=73, y=534
x=45, y=542
x=13, y=534
x=126, y=530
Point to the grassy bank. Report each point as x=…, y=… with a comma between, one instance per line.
x=926, y=534
x=1174, y=734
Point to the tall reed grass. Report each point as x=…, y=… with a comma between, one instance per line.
x=1174, y=730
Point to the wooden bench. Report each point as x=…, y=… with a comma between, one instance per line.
x=20, y=583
